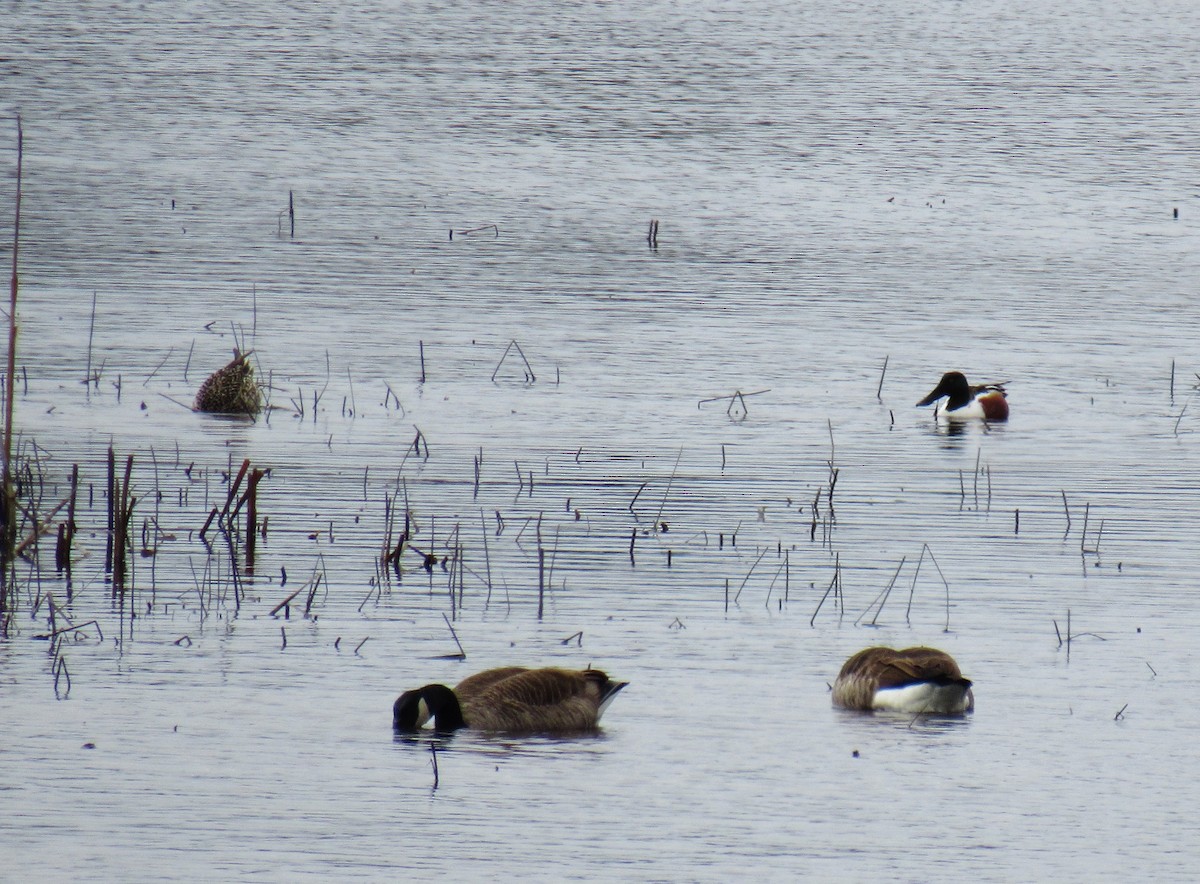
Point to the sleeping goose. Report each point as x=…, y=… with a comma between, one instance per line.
x=511, y=698
x=913, y=680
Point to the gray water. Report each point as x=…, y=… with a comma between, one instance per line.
x=991, y=187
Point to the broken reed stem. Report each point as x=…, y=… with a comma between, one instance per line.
x=882, y=597
x=314, y=584
x=233, y=489
x=66, y=531
x=1182, y=412
x=529, y=375
x=631, y=503
x=251, y=496
x=122, y=510
x=834, y=586
x=87, y=378
x=287, y=601
x=40, y=527
x=882, y=373
x=746, y=579
x=917, y=573
x=487, y=558
x=110, y=519
x=670, y=481
x=541, y=580
x=462, y=655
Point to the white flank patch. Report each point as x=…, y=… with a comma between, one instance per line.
x=971, y=411
x=922, y=697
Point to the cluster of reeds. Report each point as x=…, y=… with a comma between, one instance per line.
x=225, y=518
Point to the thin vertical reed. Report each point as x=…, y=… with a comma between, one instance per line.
x=8, y=490
x=111, y=515
x=252, y=515
x=87, y=379
x=541, y=580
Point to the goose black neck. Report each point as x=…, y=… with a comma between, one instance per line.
x=443, y=704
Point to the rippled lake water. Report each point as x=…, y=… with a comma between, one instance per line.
x=469, y=322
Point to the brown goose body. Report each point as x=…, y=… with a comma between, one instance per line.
x=512, y=699
x=912, y=680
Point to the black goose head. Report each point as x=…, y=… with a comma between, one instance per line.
x=413, y=708
x=407, y=714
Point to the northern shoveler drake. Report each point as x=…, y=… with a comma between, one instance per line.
x=964, y=402
x=914, y=680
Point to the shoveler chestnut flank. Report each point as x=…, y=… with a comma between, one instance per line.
x=914, y=680
x=964, y=402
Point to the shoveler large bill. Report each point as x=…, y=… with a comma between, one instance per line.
x=964, y=402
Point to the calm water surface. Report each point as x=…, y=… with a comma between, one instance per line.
x=983, y=186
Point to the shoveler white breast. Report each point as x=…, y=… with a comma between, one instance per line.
x=965, y=402
x=913, y=680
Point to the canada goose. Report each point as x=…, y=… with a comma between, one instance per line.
x=511, y=699
x=912, y=680
x=966, y=402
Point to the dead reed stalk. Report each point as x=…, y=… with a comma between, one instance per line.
x=912, y=589
x=881, y=599
x=461, y=655
x=835, y=586
x=530, y=377
x=121, y=509
x=8, y=490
